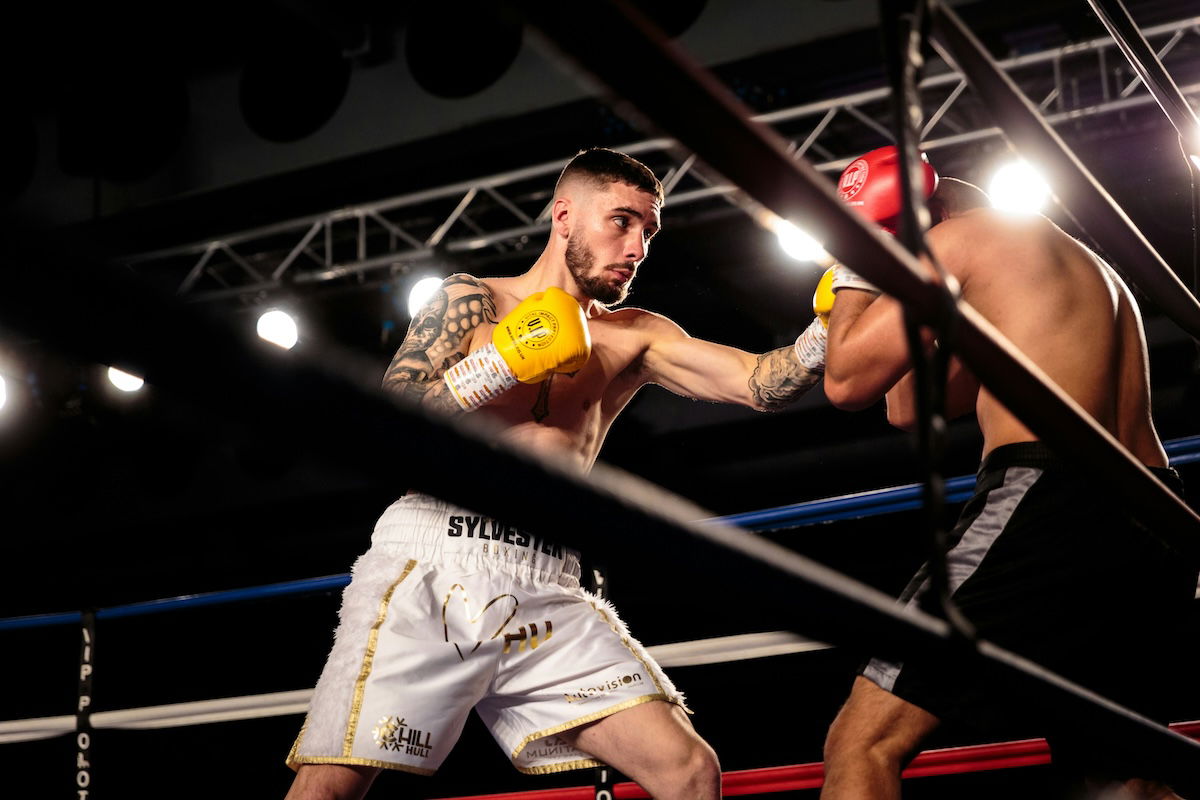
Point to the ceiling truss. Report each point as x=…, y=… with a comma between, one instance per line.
x=503, y=212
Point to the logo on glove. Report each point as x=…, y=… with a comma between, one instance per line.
x=853, y=179
x=537, y=329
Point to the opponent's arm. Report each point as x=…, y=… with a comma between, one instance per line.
x=438, y=338
x=867, y=351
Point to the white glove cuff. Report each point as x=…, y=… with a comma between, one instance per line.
x=479, y=378
x=846, y=278
x=810, y=347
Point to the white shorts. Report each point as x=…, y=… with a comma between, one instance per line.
x=451, y=610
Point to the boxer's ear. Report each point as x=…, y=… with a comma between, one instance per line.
x=560, y=216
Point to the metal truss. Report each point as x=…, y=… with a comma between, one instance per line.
x=502, y=212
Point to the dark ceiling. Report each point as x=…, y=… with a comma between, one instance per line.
x=112, y=499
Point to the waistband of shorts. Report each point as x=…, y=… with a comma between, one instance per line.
x=433, y=529
x=1039, y=456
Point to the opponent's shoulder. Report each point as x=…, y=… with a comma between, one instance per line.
x=976, y=240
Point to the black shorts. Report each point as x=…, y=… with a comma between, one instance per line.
x=1047, y=565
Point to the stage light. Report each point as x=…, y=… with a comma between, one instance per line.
x=798, y=244
x=1019, y=188
x=124, y=381
x=278, y=328
x=1195, y=160
x=3, y=392
x=420, y=293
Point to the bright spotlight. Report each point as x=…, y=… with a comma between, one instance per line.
x=124, y=381
x=278, y=328
x=798, y=244
x=3, y=392
x=420, y=293
x=1195, y=159
x=1018, y=187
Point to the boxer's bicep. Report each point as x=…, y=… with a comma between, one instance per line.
x=439, y=337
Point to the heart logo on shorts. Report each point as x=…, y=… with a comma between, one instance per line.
x=458, y=591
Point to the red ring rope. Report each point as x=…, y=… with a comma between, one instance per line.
x=947, y=761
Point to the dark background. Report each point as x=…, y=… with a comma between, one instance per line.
x=114, y=499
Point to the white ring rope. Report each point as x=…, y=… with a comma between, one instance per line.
x=717, y=650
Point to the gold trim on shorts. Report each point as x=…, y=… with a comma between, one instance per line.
x=360, y=686
x=587, y=762
x=651, y=672
x=357, y=762
x=291, y=756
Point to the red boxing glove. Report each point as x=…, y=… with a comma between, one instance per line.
x=871, y=186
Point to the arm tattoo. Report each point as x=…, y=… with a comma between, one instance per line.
x=779, y=378
x=434, y=342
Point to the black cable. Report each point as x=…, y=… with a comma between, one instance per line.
x=905, y=29
x=1189, y=158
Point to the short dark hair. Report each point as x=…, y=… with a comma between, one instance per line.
x=953, y=197
x=603, y=166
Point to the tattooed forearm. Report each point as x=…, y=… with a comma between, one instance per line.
x=437, y=340
x=779, y=379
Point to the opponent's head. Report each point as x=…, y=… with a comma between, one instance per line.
x=608, y=205
x=871, y=186
x=954, y=197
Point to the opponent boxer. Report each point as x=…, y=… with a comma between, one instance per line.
x=1042, y=562
x=451, y=610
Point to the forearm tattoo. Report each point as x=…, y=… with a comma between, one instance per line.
x=779, y=379
x=434, y=342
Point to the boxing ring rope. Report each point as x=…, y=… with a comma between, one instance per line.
x=859, y=505
x=722, y=649
x=755, y=159
x=1149, y=69
x=94, y=311
x=687, y=102
x=767, y=780
x=100, y=313
x=1079, y=194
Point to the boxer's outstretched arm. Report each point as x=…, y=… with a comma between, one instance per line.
x=721, y=374
x=439, y=337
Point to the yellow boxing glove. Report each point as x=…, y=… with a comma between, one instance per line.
x=823, y=297
x=810, y=345
x=547, y=332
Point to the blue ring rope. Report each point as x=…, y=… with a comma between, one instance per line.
x=852, y=506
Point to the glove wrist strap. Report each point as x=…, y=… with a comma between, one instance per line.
x=810, y=347
x=846, y=278
x=479, y=378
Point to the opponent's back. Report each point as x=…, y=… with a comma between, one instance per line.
x=1065, y=309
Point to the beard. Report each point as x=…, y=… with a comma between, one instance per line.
x=580, y=261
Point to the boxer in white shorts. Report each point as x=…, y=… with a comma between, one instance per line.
x=438, y=620
x=497, y=620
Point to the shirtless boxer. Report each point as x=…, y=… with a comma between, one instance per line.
x=1042, y=562
x=451, y=610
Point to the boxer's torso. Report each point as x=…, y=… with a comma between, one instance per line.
x=570, y=413
x=1064, y=309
